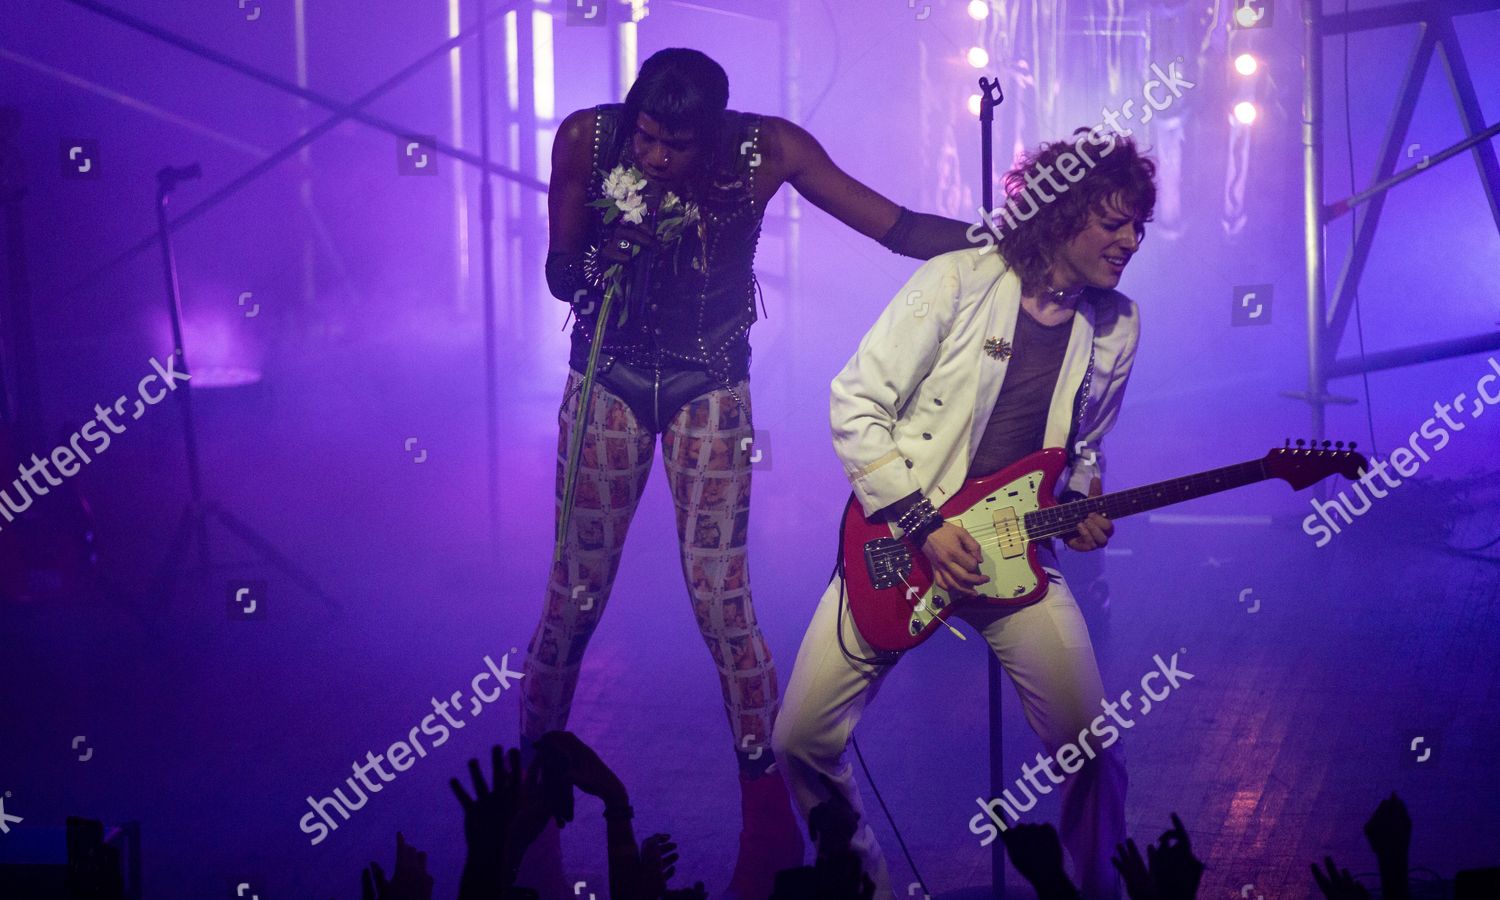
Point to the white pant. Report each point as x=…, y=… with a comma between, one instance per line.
x=1046, y=650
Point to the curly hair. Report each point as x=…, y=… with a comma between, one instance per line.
x=1114, y=172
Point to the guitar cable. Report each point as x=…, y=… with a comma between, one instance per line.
x=838, y=572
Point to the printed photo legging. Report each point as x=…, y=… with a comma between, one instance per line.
x=707, y=460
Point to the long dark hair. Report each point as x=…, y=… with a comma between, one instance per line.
x=684, y=90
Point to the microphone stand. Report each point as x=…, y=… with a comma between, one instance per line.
x=192, y=526
x=991, y=96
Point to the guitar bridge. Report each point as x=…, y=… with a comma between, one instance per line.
x=888, y=561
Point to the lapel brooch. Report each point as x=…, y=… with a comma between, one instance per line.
x=999, y=348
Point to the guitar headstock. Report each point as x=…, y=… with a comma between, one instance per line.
x=1308, y=463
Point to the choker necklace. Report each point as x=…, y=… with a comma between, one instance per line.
x=1060, y=296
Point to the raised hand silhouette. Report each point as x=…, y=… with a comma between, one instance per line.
x=1132, y=868
x=1174, y=868
x=499, y=823
x=584, y=767
x=1389, y=834
x=410, y=880
x=1338, y=884
x=658, y=864
x=1037, y=854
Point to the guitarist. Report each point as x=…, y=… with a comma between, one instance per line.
x=1024, y=348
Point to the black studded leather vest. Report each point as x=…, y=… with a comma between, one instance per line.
x=701, y=298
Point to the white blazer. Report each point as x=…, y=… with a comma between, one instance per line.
x=909, y=408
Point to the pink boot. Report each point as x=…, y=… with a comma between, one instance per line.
x=771, y=839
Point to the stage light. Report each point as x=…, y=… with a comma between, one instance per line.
x=974, y=103
x=1248, y=14
x=1245, y=112
x=978, y=57
x=979, y=9
x=1246, y=64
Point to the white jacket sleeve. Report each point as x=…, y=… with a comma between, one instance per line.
x=1099, y=420
x=892, y=360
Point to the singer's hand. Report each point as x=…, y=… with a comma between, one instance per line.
x=621, y=241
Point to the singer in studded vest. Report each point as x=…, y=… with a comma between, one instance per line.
x=678, y=366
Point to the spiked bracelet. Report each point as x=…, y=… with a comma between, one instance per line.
x=924, y=530
x=920, y=520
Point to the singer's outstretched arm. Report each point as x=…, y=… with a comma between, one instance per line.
x=792, y=155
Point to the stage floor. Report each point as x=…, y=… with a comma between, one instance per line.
x=1314, y=670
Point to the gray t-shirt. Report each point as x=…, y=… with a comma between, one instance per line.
x=1019, y=420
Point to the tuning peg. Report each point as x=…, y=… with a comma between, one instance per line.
x=1352, y=445
x=1300, y=442
x=1338, y=444
x=1327, y=444
x=1288, y=443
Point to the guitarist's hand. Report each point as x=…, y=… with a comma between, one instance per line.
x=1095, y=531
x=954, y=555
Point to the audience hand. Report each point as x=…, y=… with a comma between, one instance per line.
x=1389, y=834
x=584, y=767
x=658, y=864
x=499, y=823
x=1174, y=868
x=495, y=817
x=1338, y=884
x=410, y=881
x=1138, y=881
x=1037, y=854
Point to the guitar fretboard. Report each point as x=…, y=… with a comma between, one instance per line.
x=1064, y=516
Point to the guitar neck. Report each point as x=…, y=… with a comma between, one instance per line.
x=1064, y=516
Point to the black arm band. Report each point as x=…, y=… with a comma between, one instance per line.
x=923, y=236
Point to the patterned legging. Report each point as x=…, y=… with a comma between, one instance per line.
x=705, y=452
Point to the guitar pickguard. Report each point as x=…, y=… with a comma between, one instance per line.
x=995, y=522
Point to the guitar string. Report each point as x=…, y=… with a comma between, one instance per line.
x=994, y=535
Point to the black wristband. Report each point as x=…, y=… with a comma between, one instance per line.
x=923, y=235
x=570, y=276
x=897, y=236
x=923, y=531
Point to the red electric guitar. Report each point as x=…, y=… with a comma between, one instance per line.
x=893, y=599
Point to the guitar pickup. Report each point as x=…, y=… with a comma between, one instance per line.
x=888, y=561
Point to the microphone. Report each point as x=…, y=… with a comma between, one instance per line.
x=168, y=177
x=641, y=274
